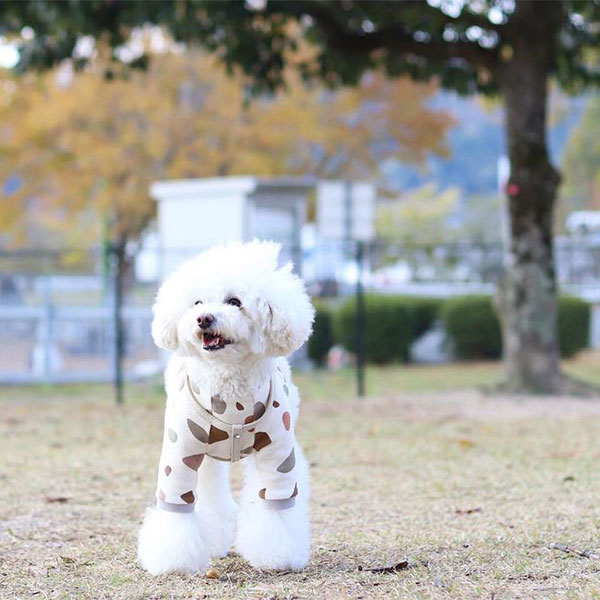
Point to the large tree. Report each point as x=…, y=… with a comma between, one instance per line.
x=506, y=47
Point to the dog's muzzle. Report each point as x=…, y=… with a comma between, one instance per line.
x=211, y=340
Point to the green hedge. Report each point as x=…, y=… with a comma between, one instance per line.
x=322, y=338
x=392, y=324
x=573, y=325
x=474, y=329
x=424, y=311
x=472, y=326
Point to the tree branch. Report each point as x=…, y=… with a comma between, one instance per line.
x=397, y=39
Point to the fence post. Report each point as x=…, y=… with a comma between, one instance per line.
x=360, y=321
x=116, y=261
x=47, y=332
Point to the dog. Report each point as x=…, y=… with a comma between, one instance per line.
x=230, y=316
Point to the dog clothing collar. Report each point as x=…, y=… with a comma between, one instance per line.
x=234, y=430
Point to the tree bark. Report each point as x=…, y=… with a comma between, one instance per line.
x=527, y=298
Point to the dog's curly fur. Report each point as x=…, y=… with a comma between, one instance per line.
x=274, y=319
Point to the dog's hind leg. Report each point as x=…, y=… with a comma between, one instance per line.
x=215, y=501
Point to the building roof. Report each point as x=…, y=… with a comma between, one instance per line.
x=229, y=186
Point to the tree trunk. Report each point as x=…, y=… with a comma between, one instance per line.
x=527, y=298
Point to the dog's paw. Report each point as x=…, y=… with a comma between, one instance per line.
x=173, y=542
x=221, y=533
x=274, y=539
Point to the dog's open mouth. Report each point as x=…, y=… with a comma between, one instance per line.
x=214, y=341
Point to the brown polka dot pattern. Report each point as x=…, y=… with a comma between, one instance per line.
x=194, y=461
x=288, y=464
x=172, y=435
x=249, y=419
x=216, y=435
x=219, y=406
x=275, y=404
x=198, y=432
x=188, y=497
x=261, y=439
x=168, y=470
x=287, y=420
x=259, y=410
x=239, y=406
x=262, y=493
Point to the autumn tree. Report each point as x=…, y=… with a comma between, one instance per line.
x=88, y=148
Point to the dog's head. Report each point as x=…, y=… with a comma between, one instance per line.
x=233, y=301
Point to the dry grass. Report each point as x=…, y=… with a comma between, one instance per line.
x=471, y=490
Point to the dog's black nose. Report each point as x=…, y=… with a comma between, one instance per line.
x=205, y=321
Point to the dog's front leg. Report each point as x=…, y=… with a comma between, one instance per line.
x=274, y=534
x=175, y=536
x=214, y=499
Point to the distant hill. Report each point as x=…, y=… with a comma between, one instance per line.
x=476, y=143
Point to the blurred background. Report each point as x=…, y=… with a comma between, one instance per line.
x=388, y=194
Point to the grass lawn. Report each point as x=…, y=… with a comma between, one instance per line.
x=473, y=491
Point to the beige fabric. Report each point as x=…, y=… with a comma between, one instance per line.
x=261, y=428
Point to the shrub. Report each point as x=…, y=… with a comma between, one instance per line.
x=573, y=325
x=474, y=329
x=472, y=326
x=388, y=328
x=321, y=339
x=424, y=311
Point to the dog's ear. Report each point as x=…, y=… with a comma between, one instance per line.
x=289, y=314
x=164, y=323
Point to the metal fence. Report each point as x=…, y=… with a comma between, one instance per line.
x=62, y=318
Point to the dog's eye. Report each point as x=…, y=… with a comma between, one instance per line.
x=235, y=302
x=197, y=302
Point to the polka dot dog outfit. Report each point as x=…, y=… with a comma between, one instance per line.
x=227, y=433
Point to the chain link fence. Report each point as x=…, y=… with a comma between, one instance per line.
x=64, y=317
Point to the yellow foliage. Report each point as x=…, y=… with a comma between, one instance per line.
x=87, y=149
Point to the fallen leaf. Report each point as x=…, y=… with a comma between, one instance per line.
x=212, y=573
x=465, y=443
x=401, y=566
x=468, y=511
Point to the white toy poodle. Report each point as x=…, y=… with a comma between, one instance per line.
x=230, y=316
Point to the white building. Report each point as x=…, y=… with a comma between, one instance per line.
x=193, y=214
